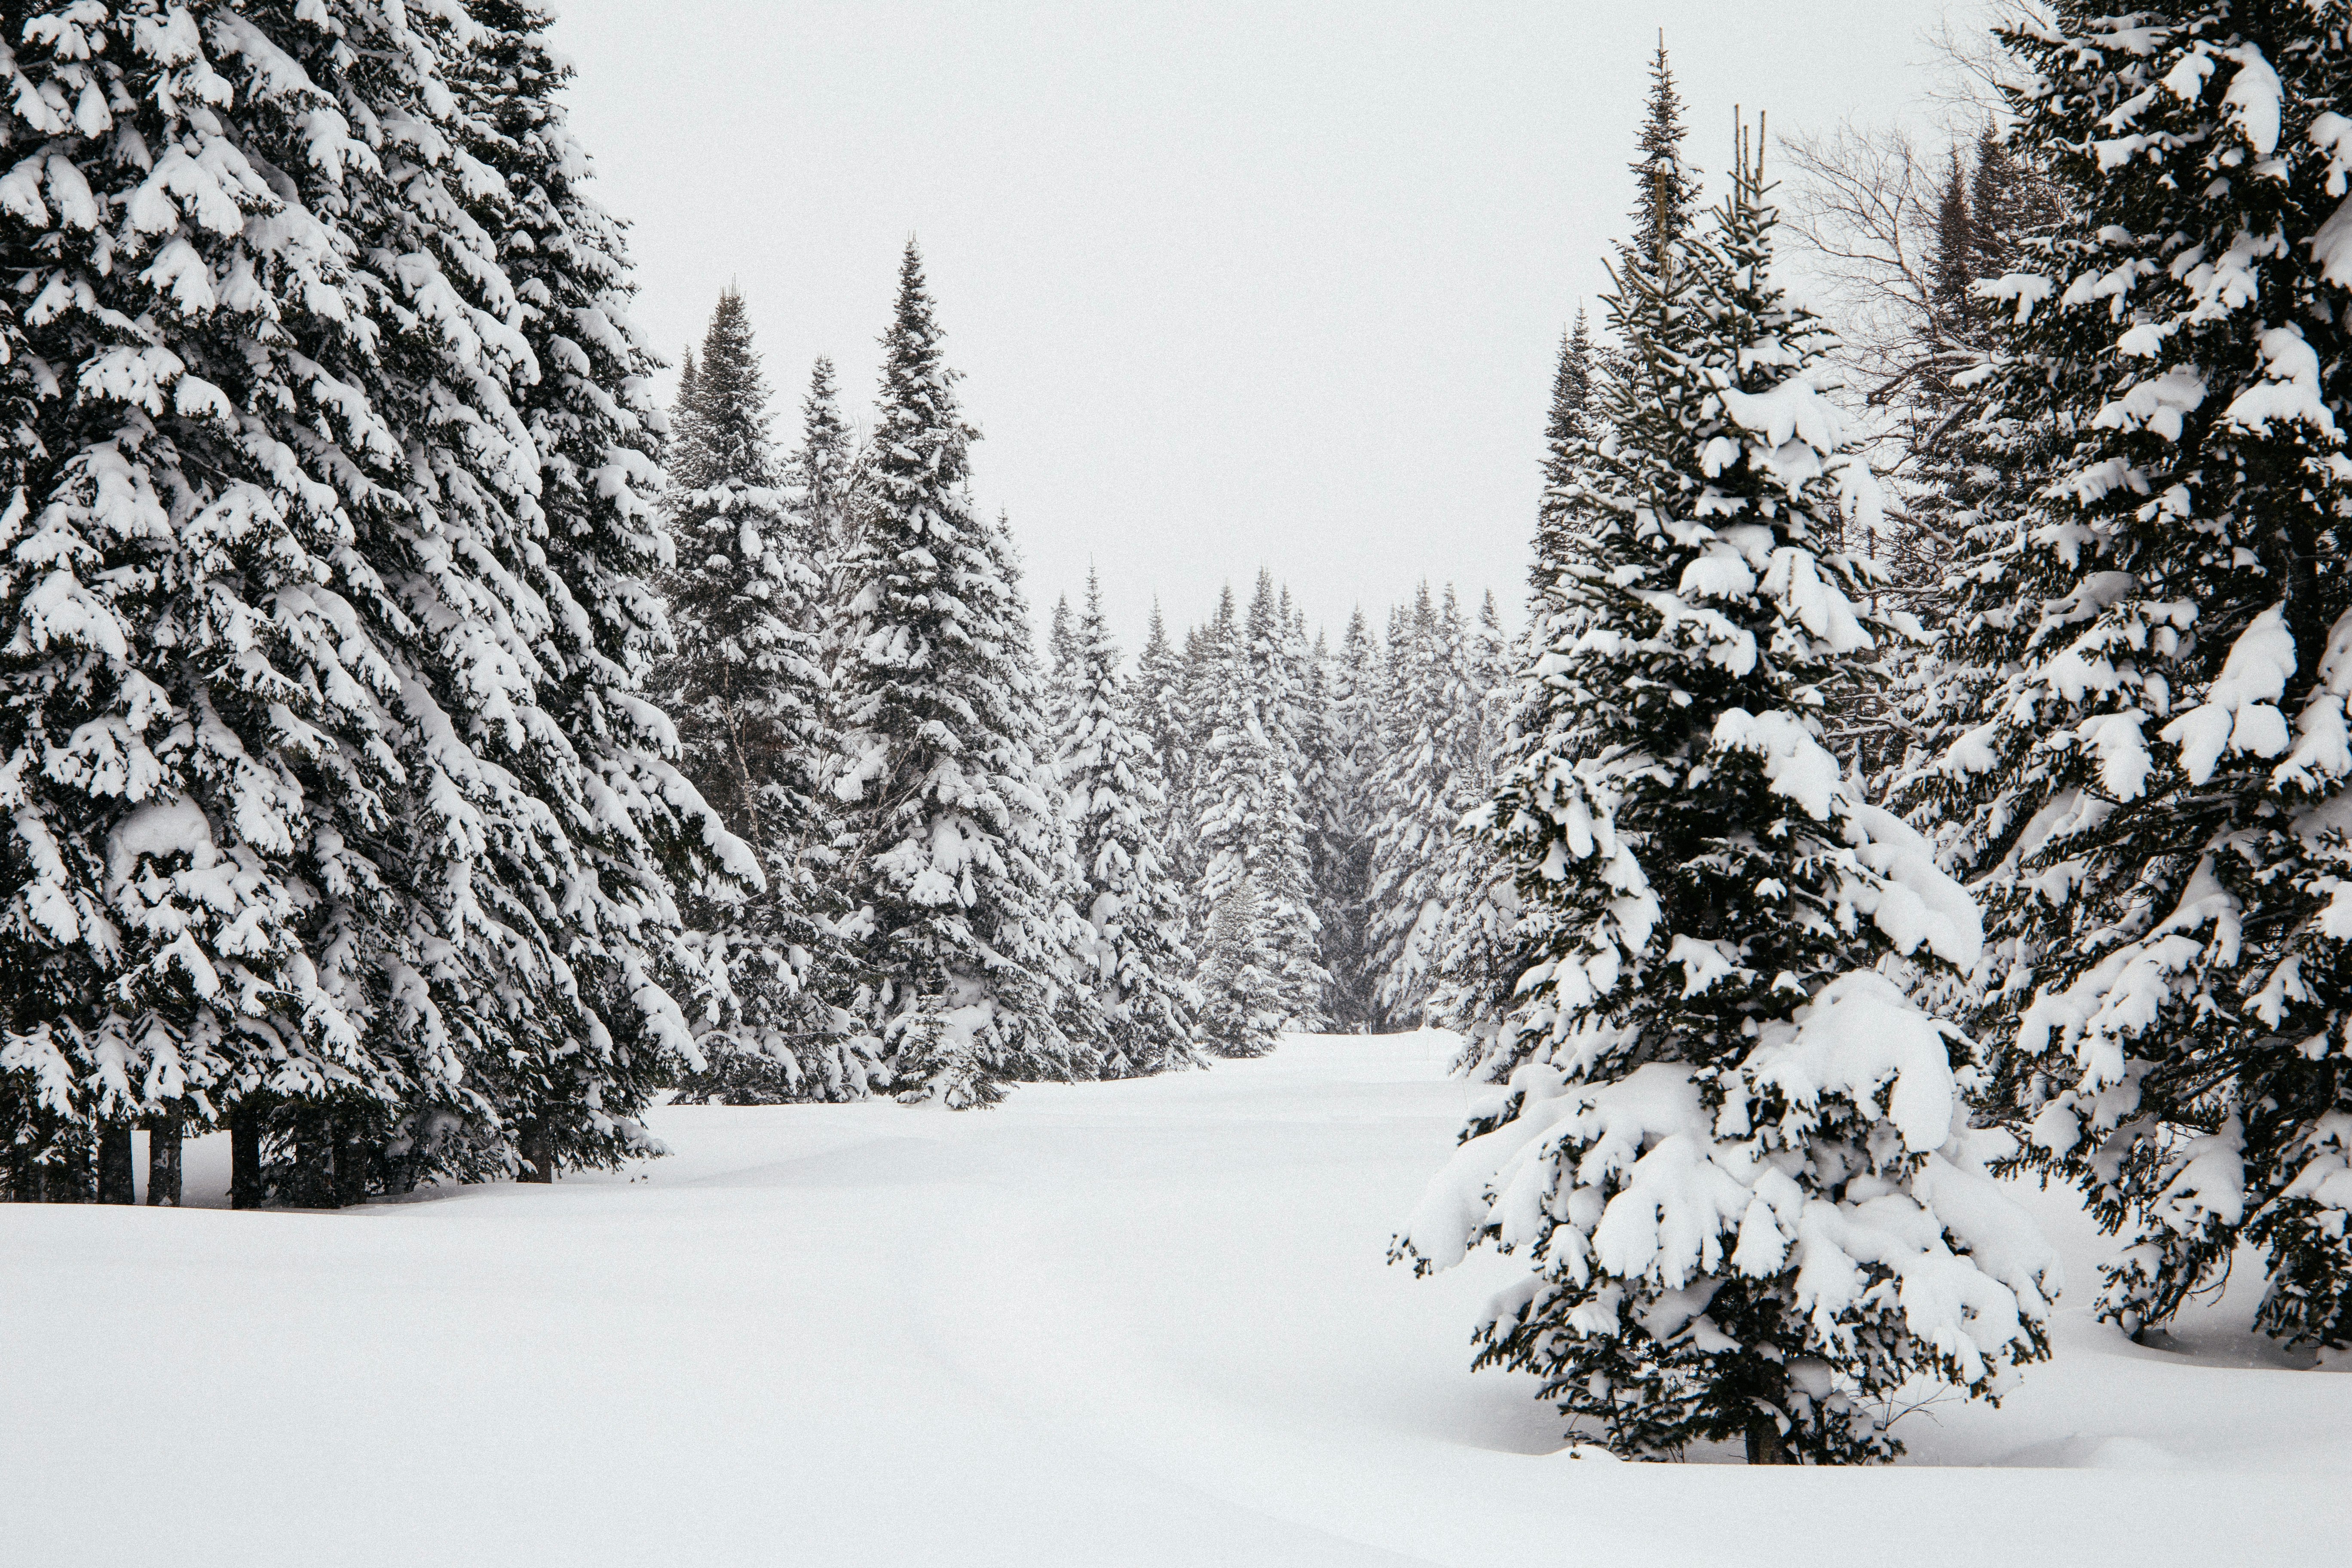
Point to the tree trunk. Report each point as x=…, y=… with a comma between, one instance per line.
x=24, y=1176
x=116, y=1184
x=538, y=1159
x=245, y=1188
x=164, y=1140
x=1765, y=1446
x=67, y=1181
x=351, y=1163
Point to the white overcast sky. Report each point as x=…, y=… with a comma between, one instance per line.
x=1233, y=282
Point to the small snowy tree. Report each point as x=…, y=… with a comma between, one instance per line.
x=1483, y=956
x=1161, y=722
x=747, y=688
x=1249, y=825
x=820, y=478
x=1341, y=820
x=1425, y=780
x=1556, y=514
x=1241, y=1011
x=1732, y=1150
x=1135, y=957
x=949, y=812
x=1665, y=184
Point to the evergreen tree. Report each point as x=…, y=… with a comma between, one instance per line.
x=1249, y=831
x=1139, y=966
x=747, y=689
x=1209, y=680
x=1341, y=820
x=1273, y=661
x=821, y=476
x=590, y=414
x=1478, y=962
x=1571, y=396
x=1061, y=669
x=1733, y=1147
x=1667, y=188
x=681, y=416
x=1055, y=932
x=1423, y=785
x=2154, y=786
x=335, y=818
x=950, y=815
x=1240, y=1012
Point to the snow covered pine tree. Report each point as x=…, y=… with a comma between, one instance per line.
x=947, y=809
x=1341, y=819
x=747, y=689
x=1141, y=969
x=2158, y=794
x=1483, y=954
x=1250, y=837
x=1430, y=734
x=330, y=819
x=1732, y=1150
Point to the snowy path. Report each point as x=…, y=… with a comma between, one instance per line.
x=1103, y=1325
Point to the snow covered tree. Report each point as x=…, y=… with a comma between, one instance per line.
x=1209, y=678
x=1139, y=966
x=747, y=689
x=1241, y=1006
x=1054, y=930
x=1160, y=720
x=1571, y=397
x=1282, y=666
x=1426, y=779
x=1249, y=828
x=1061, y=669
x=1481, y=956
x=2156, y=790
x=1667, y=187
x=949, y=812
x=821, y=477
x=1341, y=821
x=595, y=540
x=1732, y=1150
x=335, y=816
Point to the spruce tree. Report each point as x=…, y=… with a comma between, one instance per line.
x=821, y=477
x=1571, y=396
x=1341, y=821
x=1255, y=884
x=1424, y=786
x=680, y=435
x=2154, y=788
x=1209, y=678
x=1135, y=956
x=1732, y=1150
x=1273, y=659
x=1061, y=669
x=336, y=819
x=1058, y=935
x=1482, y=956
x=747, y=690
x=596, y=529
x=949, y=815
x=1161, y=722
x=1666, y=186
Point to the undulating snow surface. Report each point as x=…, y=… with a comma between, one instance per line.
x=1142, y=1323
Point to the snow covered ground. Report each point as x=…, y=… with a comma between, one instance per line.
x=1138, y=1323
